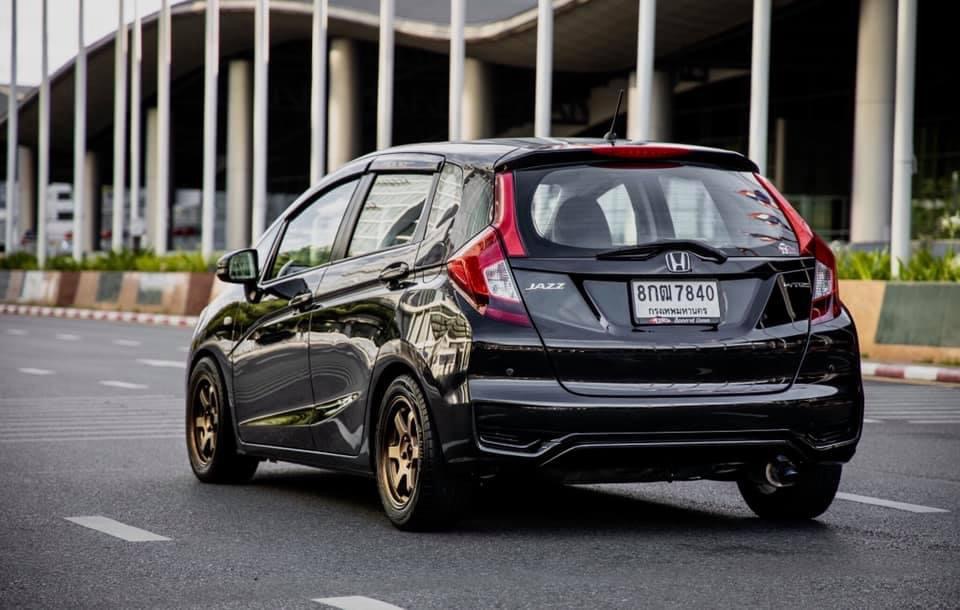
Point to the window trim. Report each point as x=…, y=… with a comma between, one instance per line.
x=295, y=210
x=418, y=234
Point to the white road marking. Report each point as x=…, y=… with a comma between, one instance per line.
x=116, y=529
x=67, y=337
x=920, y=415
x=123, y=384
x=356, y=602
x=32, y=371
x=934, y=421
x=173, y=364
x=183, y=349
x=46, y=439
x=867, y=420
x=17, y=332
x=126, y=342
x=913, y=508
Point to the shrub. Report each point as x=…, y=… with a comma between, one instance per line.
x=125, y=260
x=923, y=266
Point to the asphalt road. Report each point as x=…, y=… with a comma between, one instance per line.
x=90, y=426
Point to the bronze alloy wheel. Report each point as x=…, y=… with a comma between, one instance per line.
x=206, y=415
x=399, y=452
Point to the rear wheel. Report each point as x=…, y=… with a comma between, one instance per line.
x=415, y=488
x=809, y=497
x=211, y=444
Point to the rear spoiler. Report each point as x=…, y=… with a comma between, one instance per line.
x=565, y=154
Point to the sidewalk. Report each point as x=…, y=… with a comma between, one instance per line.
x=158, y=319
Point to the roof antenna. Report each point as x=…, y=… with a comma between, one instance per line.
x=611, y=136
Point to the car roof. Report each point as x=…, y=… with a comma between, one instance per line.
x=500, y=153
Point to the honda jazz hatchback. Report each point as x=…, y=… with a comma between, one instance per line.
x=578, y=310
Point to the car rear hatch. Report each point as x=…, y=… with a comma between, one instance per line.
x=664, y=274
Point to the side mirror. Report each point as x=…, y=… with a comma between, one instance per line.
x=238, y=267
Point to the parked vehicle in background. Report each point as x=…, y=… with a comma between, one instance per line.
x=579, y=310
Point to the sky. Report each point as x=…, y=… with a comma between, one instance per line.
x=62, y=29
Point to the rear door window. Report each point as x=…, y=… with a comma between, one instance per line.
x=391, y=213
x=581, y=210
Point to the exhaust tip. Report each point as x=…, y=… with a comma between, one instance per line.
x=781, y=472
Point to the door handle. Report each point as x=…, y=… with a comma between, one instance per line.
x=301, y=300
x=395, y=272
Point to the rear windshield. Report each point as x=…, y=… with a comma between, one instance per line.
x=581, y=210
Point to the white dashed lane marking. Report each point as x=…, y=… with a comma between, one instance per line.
x=913, y=508
x=173, y=364
x=111, y=383
x=116, y=529
x=33, y=371
x=126, y=342
x=356, y=602
x=17, y=332
x=67, y=337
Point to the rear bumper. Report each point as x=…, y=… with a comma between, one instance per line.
x=538, y=424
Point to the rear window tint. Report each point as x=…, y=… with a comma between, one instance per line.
x=579, y=210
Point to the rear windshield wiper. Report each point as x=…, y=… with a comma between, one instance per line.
x=651, y=249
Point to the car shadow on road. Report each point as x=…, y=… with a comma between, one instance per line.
x=540, y=507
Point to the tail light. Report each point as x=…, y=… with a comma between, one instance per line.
x=826, y=286
x=480, y=270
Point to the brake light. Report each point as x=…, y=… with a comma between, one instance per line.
x=640, y=152
x=480, y=270
x=825, y=304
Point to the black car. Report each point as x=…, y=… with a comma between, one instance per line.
x=577, y=310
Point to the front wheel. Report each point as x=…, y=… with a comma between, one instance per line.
x=416, y=490
x=211, y=444
x=809, y=497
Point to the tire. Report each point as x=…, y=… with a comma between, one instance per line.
x=212, y=446
x=416, y=489
x=809, y=497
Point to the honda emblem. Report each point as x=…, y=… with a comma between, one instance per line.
x=679, y=262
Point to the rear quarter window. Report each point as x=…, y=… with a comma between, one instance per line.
x=584, y=209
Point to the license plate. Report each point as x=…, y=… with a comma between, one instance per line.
x=678, y=302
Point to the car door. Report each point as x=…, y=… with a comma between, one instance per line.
x=273, y=396
x=357, y=310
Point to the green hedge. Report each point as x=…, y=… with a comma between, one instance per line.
x=126, y=260
x=922, y=267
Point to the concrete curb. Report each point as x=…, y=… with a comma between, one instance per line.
x=99, y=314
x=910, y=372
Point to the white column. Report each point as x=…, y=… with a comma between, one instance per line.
x=210, y=75
x=780, y=154
x=239, y=139
x=343, y=119
x=152, y=185
x=760, y=83
x=162, y=218
x=477, y=100
x=80, y=245
x=318, y=92
x=92, y=194
x=385, y=77
x=261, y=63
x=544, y=86
x=903, y=135
x=43, y=144
x=873, y=122
x=457, y=17
x=639, y=105
x=119, y=131
x=12, y=228
x=27, y=217
x=136, y=55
